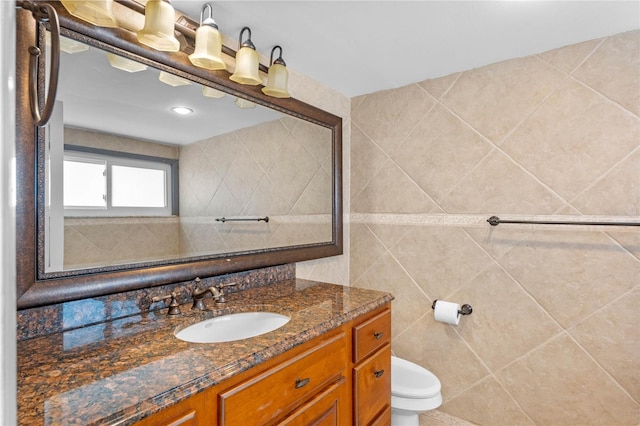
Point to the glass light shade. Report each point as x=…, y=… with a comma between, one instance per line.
x=67, y=45
x=125, y=64
x=247, y=64
x=277, y=80
x=210, y=92
x=172, y=80
x=244, y=104
x=208, y=51
x=158, y=31
x=96, y=12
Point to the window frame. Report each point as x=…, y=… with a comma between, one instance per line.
x=170, y=166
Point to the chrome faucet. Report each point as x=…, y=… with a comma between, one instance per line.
x=199, y=295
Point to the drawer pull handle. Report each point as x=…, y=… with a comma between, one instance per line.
x=378, y=373
x=378, y=335
x=300, y=383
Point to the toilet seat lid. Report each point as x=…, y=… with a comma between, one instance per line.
x=409, y=380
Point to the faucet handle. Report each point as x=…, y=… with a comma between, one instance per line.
x=223, y=285
x=174, y=307
x=220, y=299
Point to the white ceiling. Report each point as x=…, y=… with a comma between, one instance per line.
x=354, y=47
x=359, y=47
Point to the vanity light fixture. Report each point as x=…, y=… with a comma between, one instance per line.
x=182, y=110
x=172, y=80
x=125, y=64
x=247, y=62
x=159, y=23
x=96, y=12
x=277, y=78
x=208, y=50
x=210, y=92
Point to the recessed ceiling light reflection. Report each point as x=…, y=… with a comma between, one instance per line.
x=182, y=110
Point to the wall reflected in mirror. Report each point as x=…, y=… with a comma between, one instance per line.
x=231, y=160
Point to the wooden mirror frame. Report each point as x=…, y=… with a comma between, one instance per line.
x=33, y=291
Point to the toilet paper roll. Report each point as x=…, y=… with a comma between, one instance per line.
x=447, y=312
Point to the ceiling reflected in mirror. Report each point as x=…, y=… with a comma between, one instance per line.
x=138, y=100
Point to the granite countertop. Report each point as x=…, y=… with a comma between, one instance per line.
x=123, y=370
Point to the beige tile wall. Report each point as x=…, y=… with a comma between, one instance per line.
x=275, y=169
x=554, y=338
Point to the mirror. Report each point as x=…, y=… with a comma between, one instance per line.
x=248, y=181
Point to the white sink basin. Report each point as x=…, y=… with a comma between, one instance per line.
x=227, y=328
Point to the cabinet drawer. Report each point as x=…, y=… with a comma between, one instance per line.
x=277, y=391
x=324, y=410
x=372, y=386
x=371, y=335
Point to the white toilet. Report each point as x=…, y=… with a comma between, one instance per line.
x=414, y=389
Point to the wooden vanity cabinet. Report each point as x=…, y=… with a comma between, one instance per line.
x=338, y=379
x=372, y=370
x=197, y=410
x=268, y=397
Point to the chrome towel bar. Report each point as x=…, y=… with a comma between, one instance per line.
x=242, y=219
x=495, y=221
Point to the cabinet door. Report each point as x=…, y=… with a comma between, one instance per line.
x=383, y=419
x=326, y=409
x=193, y=411
x=372, y=386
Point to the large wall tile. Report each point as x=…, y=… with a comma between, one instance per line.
x=440, y=151
x=617, y=193
x=440, y=259
x=567, y=58
x=392, y=191
x=628, y=238
x=614, y=341
x=495, y=98
x=559, y=384
x=410, y=302
x=618, y=56
x=487, y=403
x=439, y=86
x=498, y=185
x=571, y=274
x=366, y=249
x=590, y=134
x=264, y=142
x=390, y=235
x=497, y=240
x=506, y=322
x=389, y=116
x=367, y=163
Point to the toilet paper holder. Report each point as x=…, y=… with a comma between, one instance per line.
x=465, y=309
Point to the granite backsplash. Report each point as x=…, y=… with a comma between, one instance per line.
x=41, y=321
